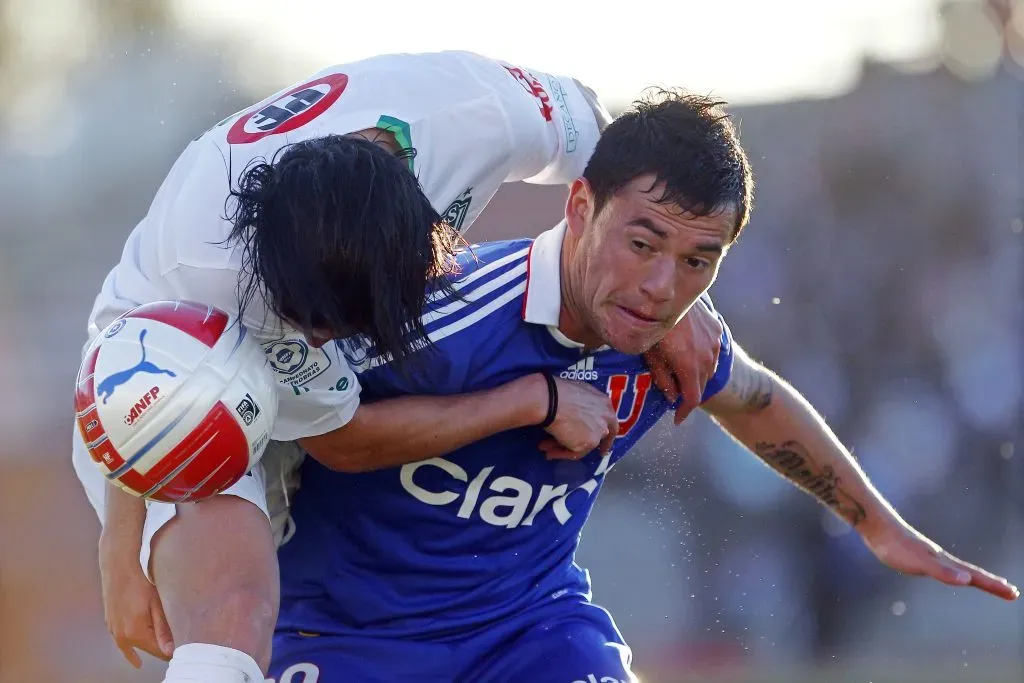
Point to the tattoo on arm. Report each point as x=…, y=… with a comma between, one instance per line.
x=793, y=461
x=752, y=388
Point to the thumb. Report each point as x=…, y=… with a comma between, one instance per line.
x=130, y=654
x=162, y=629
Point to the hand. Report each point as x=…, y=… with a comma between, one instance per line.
x=601, y=114
x=131, y=605
x=904, y=549
x=685, y=360
x=585, y=420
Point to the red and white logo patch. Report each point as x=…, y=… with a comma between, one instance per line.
x=294, y=109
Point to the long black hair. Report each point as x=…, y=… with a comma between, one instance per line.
x=337, y=235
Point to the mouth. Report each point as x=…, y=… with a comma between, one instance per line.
x=638, y=318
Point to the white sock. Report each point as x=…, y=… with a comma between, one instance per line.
x=202, y=663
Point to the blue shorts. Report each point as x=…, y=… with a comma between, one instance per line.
x=574, y=643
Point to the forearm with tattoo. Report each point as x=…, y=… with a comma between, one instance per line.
x=772, y=419
x=792, y=461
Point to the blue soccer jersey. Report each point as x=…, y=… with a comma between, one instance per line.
x=449, y=545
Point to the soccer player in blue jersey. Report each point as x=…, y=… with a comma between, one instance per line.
x=461, y=568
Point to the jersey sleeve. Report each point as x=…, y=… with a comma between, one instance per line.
x=316, y=388
x=725, y=355
x=553, y=125
x=495, y=123
x=469, y=123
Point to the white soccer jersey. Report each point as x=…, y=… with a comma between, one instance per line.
x=474, y=123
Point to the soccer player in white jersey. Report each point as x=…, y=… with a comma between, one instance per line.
x=403, y=140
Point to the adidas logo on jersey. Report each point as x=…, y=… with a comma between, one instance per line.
x=582, y=370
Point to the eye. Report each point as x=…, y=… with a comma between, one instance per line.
x=640, y=245
x=698, y=263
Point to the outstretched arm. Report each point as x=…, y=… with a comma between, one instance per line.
x=769, y=417
x=772, y=419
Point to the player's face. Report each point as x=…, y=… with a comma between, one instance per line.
x=643, y=264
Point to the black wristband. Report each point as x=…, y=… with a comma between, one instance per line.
x=552, y=401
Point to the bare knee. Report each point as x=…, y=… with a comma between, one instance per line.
x=215, y=568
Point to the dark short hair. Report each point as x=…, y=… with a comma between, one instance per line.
x=688, y=143
x=337, y=234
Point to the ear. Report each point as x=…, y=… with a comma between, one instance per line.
x=579, y=208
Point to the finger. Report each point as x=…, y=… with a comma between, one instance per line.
x=548, y=444
x=608, y=441
x=683, y=410
x=148, y=644
x=563, y=453
x=947, y=573
x=613, y=429
x=662, y=375
x=985, y=580
x=553, y=450
x=712, y=365
x=691, y=398
x=142, y=637
x=128, y=652
x=953, y=572
x=999, y=587
x=162, y=629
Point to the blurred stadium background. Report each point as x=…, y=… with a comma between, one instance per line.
x=883, y=273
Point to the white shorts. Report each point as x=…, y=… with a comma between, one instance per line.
x=273, y=482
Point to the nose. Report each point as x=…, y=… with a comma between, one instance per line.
x=658, y=283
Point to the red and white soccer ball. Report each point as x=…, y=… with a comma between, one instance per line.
x=175, y=401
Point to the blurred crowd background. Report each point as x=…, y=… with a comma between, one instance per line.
x=882, y=273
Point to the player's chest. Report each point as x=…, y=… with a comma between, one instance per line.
x=637, y=402
x=505, y=480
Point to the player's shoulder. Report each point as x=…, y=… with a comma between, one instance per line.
x=481, y=305
x=477, y=260
x=489, y=271
x=485, y=293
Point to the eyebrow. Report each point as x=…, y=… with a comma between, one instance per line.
x=712, y=247
x=708, y=247
x=649, y=224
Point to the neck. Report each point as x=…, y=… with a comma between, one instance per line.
x=572, y=322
